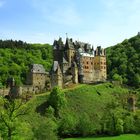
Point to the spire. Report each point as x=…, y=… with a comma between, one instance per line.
x=92, y=50
x=66, y=35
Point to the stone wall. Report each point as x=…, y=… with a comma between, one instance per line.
x=4, y=91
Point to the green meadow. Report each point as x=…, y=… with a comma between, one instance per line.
x=121, y=137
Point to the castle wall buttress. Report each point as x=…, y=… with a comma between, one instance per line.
x=74, y=74
x=100, y=66
x=70, y=54
x=58, y=55
x=88, y=68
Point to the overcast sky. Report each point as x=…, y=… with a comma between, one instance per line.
x=99, y=22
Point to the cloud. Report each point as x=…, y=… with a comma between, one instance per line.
x=63, y=12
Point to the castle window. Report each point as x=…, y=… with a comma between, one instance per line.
x=87, y=62
x=91, y=63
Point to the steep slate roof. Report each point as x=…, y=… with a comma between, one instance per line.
x=38, y=68
x=69, y=43
x=65, y=61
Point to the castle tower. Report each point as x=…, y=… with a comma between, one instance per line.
x=100, y=63
x=36, y=76
x=56, y=75
x=58, y=49
x=70, y=50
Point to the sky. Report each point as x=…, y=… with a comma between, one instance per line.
x=98, y=22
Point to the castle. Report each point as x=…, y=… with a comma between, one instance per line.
x=77, y=62
x=74, y=62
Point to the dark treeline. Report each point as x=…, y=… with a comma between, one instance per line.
x=13, y=44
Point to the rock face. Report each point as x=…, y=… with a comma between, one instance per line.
x=77, y=62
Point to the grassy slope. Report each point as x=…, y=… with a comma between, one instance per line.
x=122, y=137
x=82, y=93
x=91, y=98
x=84, y=98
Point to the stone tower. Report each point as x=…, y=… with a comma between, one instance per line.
x=74, y=73
x=56, y=75
x=70, y=50
x=58, y=50
x=36, y=76
x=100, y=63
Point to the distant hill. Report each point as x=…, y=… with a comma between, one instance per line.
x=16, y=56
x=123, y=61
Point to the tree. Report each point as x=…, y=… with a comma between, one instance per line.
x=67, y=124
x=45, y=129
x=129, y=126
x=10, y=112
x=123, y=59
x=57, y=100
x=137, y=80
x=117, y=77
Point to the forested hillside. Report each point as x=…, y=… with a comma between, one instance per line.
x=123, y=61
x=16, y=56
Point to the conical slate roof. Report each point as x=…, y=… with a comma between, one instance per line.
x=38, y=68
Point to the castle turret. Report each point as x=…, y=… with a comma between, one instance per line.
x=92, y=50
x=100, y=63
x=36, y=76
x=58, y=48
x=70, y=50
x=74, y=73
x=56, y=75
